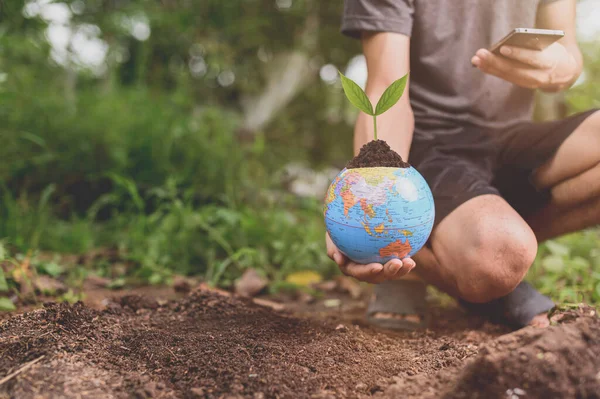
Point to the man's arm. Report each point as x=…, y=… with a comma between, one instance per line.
x=387, y=57
x=553, y=69
x=561, y=15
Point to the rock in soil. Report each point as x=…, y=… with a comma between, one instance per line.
x=97, y=281
x=377, y=153
x=49, y=285
x=182, y=284
x=349, y=285
x=250, y=284
x=137, y=302
x=217, y=346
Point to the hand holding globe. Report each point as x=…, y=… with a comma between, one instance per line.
x=379, y=210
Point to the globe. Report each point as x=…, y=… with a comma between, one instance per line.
x=377, y=214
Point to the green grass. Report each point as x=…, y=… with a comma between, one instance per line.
x=568, y=268
x=214, y=241
x=173, y=190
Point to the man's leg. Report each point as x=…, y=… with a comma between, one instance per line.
x=495, y=265
x=479, y=252
x=573, y=177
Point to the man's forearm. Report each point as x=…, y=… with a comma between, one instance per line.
x=387, y=56
x=562, y=15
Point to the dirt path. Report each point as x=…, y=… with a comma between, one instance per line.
x=211, y=345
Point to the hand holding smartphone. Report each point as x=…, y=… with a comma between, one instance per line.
x=530, y=58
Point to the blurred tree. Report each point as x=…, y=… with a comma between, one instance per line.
x=252, y=56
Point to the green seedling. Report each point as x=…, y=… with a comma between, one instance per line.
x=359, y=98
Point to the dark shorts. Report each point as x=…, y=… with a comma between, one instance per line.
x=469, y=162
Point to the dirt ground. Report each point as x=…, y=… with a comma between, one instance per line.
x=207, y=344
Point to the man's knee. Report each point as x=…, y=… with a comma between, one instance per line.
x=496, y=262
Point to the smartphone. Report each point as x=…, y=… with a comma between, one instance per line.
x=533, y=39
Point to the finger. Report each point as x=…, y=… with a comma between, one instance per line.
x=409, y=264
x=342, y=263
x=344, y=270
x=392, y=268
x=534, y=58
x=335, y=255
x=507, y=70
x=489, y=60
x=339, y=258
x=530, y=79
x=331, y=248
x=364, y=272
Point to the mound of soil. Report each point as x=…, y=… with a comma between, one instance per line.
x=210, y=345
x=377, y=153
x=561, y=362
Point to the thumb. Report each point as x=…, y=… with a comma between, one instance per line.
x=338, y=258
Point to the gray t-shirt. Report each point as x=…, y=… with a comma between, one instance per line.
x=445, y=90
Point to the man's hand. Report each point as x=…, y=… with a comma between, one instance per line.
x=373, y=273
x=552, y=69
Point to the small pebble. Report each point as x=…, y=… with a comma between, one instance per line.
x=181, y=284
x=444, y=347
x=519, y=391
x=305, y=297
x=327, y=285
x=361, y=387
x=523, y=357
x=332, y=303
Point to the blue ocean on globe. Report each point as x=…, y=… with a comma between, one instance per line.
x=378, y=214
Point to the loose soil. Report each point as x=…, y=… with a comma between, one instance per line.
x=377, y=153
x=210, y=344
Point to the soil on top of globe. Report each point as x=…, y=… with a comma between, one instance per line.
x=377, y=153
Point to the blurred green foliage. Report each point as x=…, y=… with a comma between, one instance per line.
x=180, y=196
x=146, y=151
x=568, y=268
x=587, y=95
